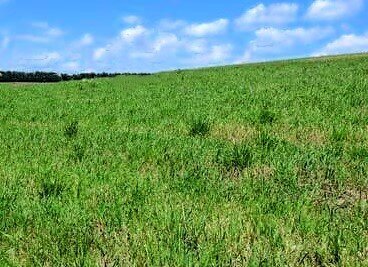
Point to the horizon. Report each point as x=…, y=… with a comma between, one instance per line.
x=173, y=34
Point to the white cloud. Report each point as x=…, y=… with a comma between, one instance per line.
x=48, y=30
x=86, y=40
x=71, y=66
x=349, y=43
x=43, y=59
x=166, y=40
x=147, y=49
x=245, y=58
x=131, y=34
x=273, y=37
x=99, y=53
x=205, y=29
x=169, y=25
x=46, y=35
x=33, y=38
x=215, y=54
x=127, y=37
x=219, y=53
x=50, y=57
x=5, y=42
x=272, y=15
x=132, y=19
x=274, y=41
x=333, y=9
x=197, y=46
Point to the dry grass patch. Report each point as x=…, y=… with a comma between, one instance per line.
x=111, y=248
x=347, y=197
x=148, y=169
x=259, y=171
x=262, y=171
x=305, y=136
x=234, y=133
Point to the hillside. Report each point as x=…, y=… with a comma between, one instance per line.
x=262, y=164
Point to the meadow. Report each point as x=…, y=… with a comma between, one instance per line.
x=247, y=165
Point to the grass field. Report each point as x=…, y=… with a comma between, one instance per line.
x=249, y=165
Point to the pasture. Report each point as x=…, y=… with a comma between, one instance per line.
x=248, y=165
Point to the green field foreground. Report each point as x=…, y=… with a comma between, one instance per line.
x=249, y=165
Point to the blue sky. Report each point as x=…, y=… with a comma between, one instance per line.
x=145, y=35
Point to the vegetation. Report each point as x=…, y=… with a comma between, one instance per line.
x=52, y=77
x=249, y=165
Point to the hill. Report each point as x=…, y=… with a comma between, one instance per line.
x=263, y=164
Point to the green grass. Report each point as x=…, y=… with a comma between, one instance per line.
x=253, y=165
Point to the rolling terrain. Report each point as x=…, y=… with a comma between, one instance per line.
x=248, y=165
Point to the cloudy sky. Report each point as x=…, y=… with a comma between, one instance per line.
x=145, y=35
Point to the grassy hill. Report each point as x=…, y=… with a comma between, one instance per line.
x=258, y=165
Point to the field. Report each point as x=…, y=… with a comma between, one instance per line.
x=247, y=165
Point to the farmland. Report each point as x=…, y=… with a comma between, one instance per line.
x=260, y=165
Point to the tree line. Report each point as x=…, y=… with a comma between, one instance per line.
x=52, y=77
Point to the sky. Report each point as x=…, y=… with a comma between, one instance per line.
x=149, y=36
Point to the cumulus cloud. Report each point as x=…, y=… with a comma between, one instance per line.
x=131, y=34
x=217, y=53
x=99, y=53
x=165, y=40
x=5, y=42
x=46, y=33
x=169, y=24
x=205, y=29
x=131, y=19
x=274, y=37
x=47, y=29
x=333, y=9
x=197, y=46
x=349, y=43
x=210, y=55
x=271, y=15
x=127, y=37
x=70, y=66
x=43, y=59
x=148, y=49
x=50, y=57
x=275, y=41
x=86, y=40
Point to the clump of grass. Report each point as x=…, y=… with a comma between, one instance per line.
x=359, y=153
x=238, y=158
x=78, y=153
x=85, y=84
x=51, y=188
x=267, y=141
x=339, y=134
x=200, y=127
x=267, y=117
x=71, y=130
